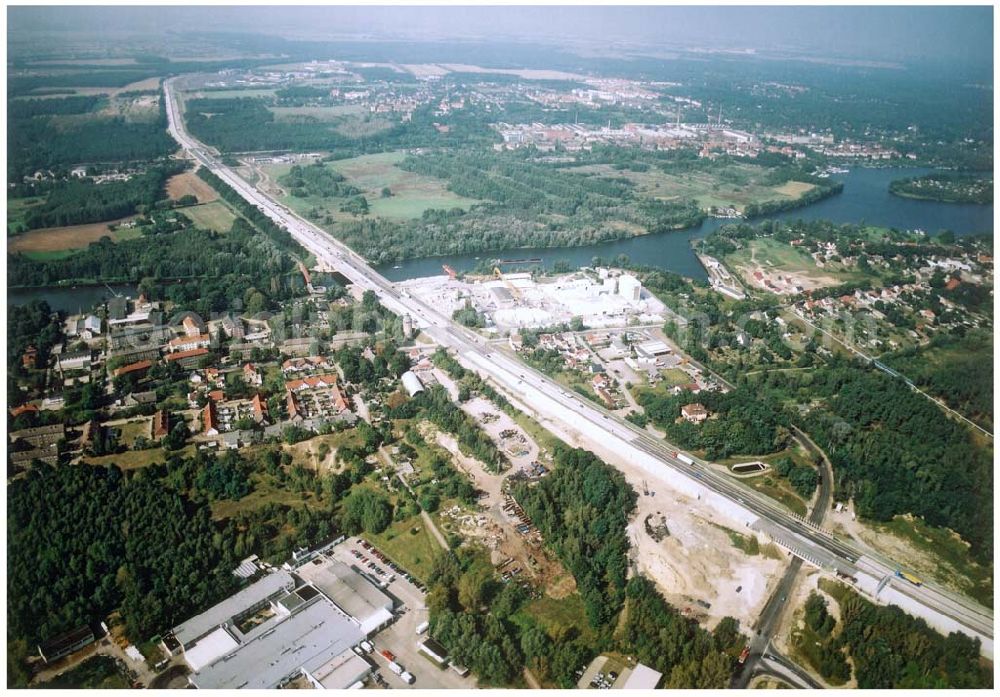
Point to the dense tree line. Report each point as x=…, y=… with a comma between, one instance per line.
x=460, y=588
x=659, y=636
x=317, y=180
x=582, y=509
x=891, y=649
x=817, y=193
x=948, y=187
x=279, y=235
x=27, y=108
x=52, y=141
x=435, y=405
x=31, y=324
x=83, y=540
x=217, y=270
x=964, y=380
x=246, y=124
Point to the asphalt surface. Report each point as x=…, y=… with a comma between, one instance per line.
x=801, y=536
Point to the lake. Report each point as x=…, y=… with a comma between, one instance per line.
x=865, y=198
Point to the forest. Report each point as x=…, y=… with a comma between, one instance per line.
x=74, y=201
x=216, y=270
x=38, y=140
x=743, y=423
x=947, y=187
x=957, y=369
x=659, y=636
x=84, y=540
x=316, y=180
x=582, y=509
x=893, y=650
x=27, y=108
x=894, y=451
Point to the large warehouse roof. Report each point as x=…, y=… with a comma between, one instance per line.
x=642, y=678
x=307, y=640
x=255, y=593
x=349, y=591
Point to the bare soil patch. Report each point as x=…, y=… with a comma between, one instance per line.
x=54, y=239
x=189, y=183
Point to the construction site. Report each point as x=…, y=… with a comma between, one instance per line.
x=518, y=300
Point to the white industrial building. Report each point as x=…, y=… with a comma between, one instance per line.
x=629, y=287
x=642, y=678
x=349, y=591
x=304, y=621
x=411, y=383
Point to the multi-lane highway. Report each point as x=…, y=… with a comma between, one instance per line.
x=592, y=424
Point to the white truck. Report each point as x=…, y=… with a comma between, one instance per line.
x=422, y=627
x=396, y=668
x=406, y=677
x=684, y=458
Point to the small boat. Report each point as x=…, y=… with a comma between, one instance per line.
x=397, y=266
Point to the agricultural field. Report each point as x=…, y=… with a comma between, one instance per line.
x=211, y=216
x=731, y=185
x=60, y=242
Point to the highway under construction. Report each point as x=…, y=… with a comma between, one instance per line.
x=563, y=412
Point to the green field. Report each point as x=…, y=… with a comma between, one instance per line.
x=731, y=184
x=558, y=617
x=412, y=194
x=675, y=377
x=410, y=545
x=779, y=257
x=211, y=216
x=319, y=113
x=16, y=209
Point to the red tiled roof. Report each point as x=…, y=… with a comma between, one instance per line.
x=23, y=409
x=209, y=417
x=186, y=354
x=133, y=367
x=161, y=423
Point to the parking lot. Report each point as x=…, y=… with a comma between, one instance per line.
x=400, y=638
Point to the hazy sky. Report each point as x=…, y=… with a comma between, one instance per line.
x=883, y=33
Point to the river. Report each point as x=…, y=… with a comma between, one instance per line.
x=69, y=299
x=865, y=198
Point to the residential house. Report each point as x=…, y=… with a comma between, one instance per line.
x=694, y=413
x=210, y=419
x=161, y=424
